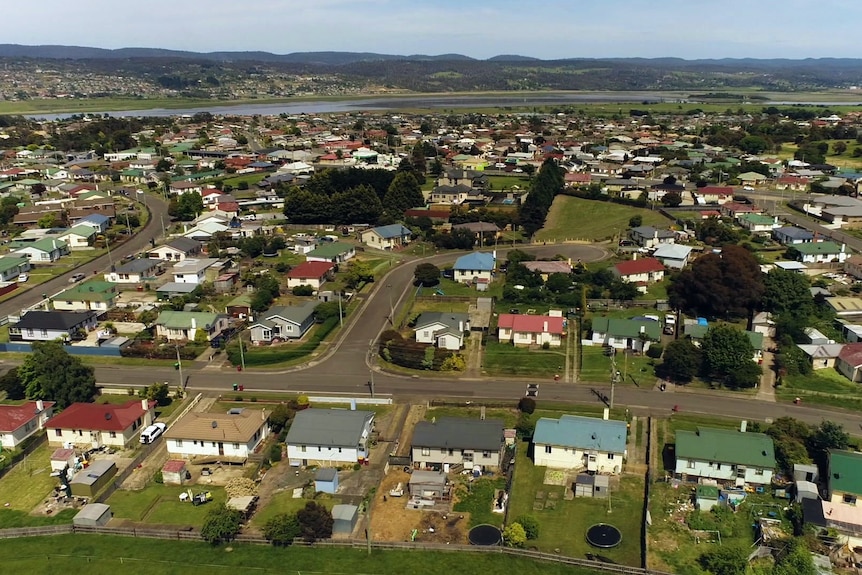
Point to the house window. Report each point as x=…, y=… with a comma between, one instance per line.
x=80, y=433
x=236, y=446
x=758, y=472
x=690, y=465
x=58, y=432
x=29, y=332
x=718, y=466
x=849, y=499
x=319, y=448
x=610, y=456
x=486, y=454
x=179, y=442
x=44, y=333
x=112, y=435
x=339, y=450
x=547, y=449
x=451, y=452
x=302, y=448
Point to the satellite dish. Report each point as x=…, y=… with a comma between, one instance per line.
x=214, y=424
x=108, y=415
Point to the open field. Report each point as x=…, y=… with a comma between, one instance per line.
x=578, y=218
x=27, y=484
x=635, y=370
x=821, y=387
x=107, y=555
x=506, y=359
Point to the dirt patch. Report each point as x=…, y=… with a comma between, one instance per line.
x=415, y=415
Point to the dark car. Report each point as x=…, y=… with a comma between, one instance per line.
x=514, y=310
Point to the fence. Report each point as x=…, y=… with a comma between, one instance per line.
x=72, y=349
x=125, y=473
x=32, y=445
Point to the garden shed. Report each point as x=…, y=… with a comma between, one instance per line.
x=589, y=485
x=92, y=479
x=326, y=480
x=62, y=459
x=806, y=490
x=93, y=515
x=706, y=497
x=174, y=472
x=344, y=519
x=427, y=484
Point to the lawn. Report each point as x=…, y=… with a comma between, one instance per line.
x=477, y=498
x=26, y=485
x=563, y=524
x=283, y=502
x=822, y=387
x=634, y=369
x=578, y=218
x=505, y=359
x=160, y=504
x=106, y=555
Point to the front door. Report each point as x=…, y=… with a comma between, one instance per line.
x=220, y=448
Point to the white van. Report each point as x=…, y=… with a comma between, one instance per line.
x=151, y=433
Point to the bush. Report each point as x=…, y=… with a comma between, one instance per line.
x=546, y=345
x=158, y=478
x=527, y=405
x=530, y=525
x=654, y=351
x=303, y=290
x=275, y=453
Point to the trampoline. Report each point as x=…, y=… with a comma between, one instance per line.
x=485, y=535
x=604, y=536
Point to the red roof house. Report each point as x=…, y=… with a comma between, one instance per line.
x=100, y=423
x=313, y=274
x=849, y=362
x=531, y=329
x=18, y=422
x=642, y=272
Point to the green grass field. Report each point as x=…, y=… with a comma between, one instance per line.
x=160, y=504
x=28, y=482
x=107, y=555
x=636, y=369
x=822, y=387
x=283, y=502
x=573, y=218
x=506, y=359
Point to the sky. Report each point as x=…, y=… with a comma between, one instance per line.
x=547, y=29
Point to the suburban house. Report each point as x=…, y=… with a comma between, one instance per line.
x=134, y=272
x=576, y=442
x=849, y=361
x=633, y=334
x=531, y=329
x=758, y=224
x=823, y=355
x=80, y=237
x=650, y=237
x=738, y=457
x=176, y=250
x=482, y=231
x=821, y=252
x=792, y=235
x=841, y=509
x=44, y=250
x=11, y=267
x=674, y=256
x=386, y=237
x=185, y=325
x=547, y=268
x=457, y=441
x=94, y=424
x=18, y=422
x=99, y=222
x=476, y=267
x=229, y=437
x=279, y=323
x=641, y=272
x=334, y=252
x=329, y=437
x=94, y=295
x=443, y=329
x=310, y=273
x=51, y=325
x=192, y=270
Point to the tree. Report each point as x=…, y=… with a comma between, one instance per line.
x=682, y=360
x=726, y=350
x=359, y=204
x=796, y=560
x=186, y=207
x=636, y=221
x=514, y=535
x=823, y=438
x=48, y=221
x=221, y=524
x=787, y=292
x=49, y=372
x=10, y=383
x=527, y=405
x=745, y=376
x=426, y=275
x=671, y=199
x=358, y=272
x=158, y=392
x=403, y=193
x=315, y=521
x=279, y=416
x=623, y=291
x=790, y=437
x=725, y=560
x=530, y=525
x=839, y=147
x=558, y=283
x=282, y=529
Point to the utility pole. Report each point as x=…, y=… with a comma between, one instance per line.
x=241, y=354
x=340, y=315
x=110, y=257
x=371, y=367
x=180, y=366
x=615, y=375
x=391, y=308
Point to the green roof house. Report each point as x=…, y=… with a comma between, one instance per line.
x=93, y=295
x=13, y=266
x=334, y=252
x=821, y=252
x=735, y=457
x=185, y=325
x=841, y=510
x=634, y=334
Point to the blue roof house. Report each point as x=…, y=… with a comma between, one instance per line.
x=576, y=442
x=100, y=222
x=475, y=268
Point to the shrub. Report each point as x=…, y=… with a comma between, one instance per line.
x=303, y=290
x=530, y=525
x=654, y=351
x=275, y=452
x=527, y=405
x=546, y=345
x=158, y=478
x=514, y=535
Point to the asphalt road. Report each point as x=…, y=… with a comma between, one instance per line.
x=140, y=241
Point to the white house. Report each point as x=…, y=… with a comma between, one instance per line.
x=44, y=250
x=650, y=237
x=329, y=437
x=641, y=272
x=80, y=237
x=738, y=457
x=233, y=435
x=312, y=274
x=93, y=295
x=458, y=441
x=50, y=325
x=95, y=424
x=675, y=256
x=636, y=335
x=524, y=330
x=576, y=442
x=184, y=325
x=444, y=330
x=134, y=272
x=386, y=237
x=18, y=422
x=192, y=270
x=334, y=252
x=11, y=267
x=476, y=267
x=821, y=252
x=176, y=250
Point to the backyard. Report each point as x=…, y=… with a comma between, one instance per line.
x=25, y=487
x=573, y=218
x=160, y=504
x=284, y=502
x=506, y=359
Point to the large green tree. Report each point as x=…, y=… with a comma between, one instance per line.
x=187, y=207
x=787, y=291
x=403, y=193
x=315, y=521
x=726, y=350
x=10, y=383
x=682, y=360
x=49, y=372
x=356, y=205
x=282, y=529
x=221, y=524
x=426, y=275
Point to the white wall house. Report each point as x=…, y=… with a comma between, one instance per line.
x=736, y=456
x=575, y=442
x=329, y=437
x=95, y=424
x=458, y=441
x=474, y=267
x=18, y=422
x=234, y=435
x=526, y=330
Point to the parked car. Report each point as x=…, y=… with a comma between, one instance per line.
x=23, y=277
x=76, y=278
x=151, y=433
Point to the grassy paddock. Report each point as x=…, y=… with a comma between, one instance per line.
x=160, y=504
x=26, y=485
x=578, y=218
x=505, y=359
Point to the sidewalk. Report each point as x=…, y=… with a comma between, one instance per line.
x=766, y=390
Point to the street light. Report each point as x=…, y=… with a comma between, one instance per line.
x=180, y=366
x=391, y=308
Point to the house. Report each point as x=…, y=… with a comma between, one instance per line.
x=633, y=334
x=239, y=307
x=94, y=295
x=737, y=457
x=713, y=194
x=821, y=252
x=386, y=237
x=849, y=361
x=576, y=442
x=523, y=330
x=192, y=270
x=674, y=256
x=176, y=250
x=823, y=355
x=427, y=485
x=696, y=332
x=329, y=437
x=229, y=437
x=451, y=441
x=547, y=268
x=44, y=250
x=79, y=238
x=173, y=289
x=18, y=422
x=51, y=325
x=93, y=424
x=758, y=224
x=99, y=222
x=476, y=267
x=282, y=322
x=334, y=252
x=186, y=325
x=482, y=231
x=310, y=273
x=650, y=237
x=792, y=235
x=134, y=272
x=442, y=329
x=640, y=271
x=844, y=488
x=11, y=267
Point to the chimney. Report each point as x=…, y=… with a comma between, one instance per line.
x=743, y=426
x=642, y=329
x=606, y=413
x=40, y=405
x=545, y=327
x=145, y=404
x=634, y=256
x=194, y=323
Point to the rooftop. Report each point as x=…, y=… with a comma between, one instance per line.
x=234, y=428
x=582, y=433
x=14, y=416
x=99, y=416
x=845, y=471
x=639, y=266
x=726, y=446
x=330, y=427
x=459, y=433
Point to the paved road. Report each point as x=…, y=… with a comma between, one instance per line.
x=140, y=241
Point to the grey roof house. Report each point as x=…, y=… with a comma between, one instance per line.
x=283, y=322
x=452, y=441
x=329, y=437
x=444, y=330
